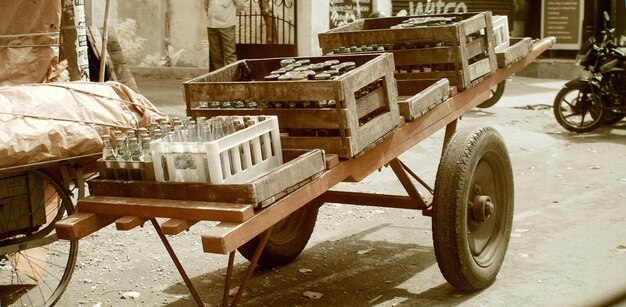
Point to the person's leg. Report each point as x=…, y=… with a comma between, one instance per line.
x=216, y=58
x=229, y=45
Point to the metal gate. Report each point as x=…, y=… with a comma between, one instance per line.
x=267, y=28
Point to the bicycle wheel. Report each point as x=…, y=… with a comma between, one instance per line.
x=35, y=267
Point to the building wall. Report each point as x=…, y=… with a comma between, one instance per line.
x=165, y=27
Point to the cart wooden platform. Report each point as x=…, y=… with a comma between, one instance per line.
x=472, y=201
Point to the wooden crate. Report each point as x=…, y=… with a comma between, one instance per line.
x=259, y=192
x=518, y=48
x=462, y=52
x=356, y=122
x=126, y=170
x=22, y=203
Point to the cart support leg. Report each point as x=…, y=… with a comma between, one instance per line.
x=180, y=268
x=229, y=274
x=399, y=169
x=250, y=270
x=450, y=130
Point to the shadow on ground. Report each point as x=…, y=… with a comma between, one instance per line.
x=348, y=272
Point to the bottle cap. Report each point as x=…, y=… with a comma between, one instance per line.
x=286, y=62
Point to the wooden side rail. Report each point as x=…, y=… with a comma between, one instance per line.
x=151, y=207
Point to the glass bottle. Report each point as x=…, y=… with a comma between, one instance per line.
x=134, y=149
x=108, y=153
x=145, y=148
x=122, y=149
x=229, y=126
x=191, y=133
x=217, y=130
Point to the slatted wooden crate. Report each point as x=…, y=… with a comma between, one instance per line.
x=356, y=123
x=126, y=170
x=463, y=52
x=22, y=203
x=259, y=192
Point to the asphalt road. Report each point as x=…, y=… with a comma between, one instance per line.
x=567, y=247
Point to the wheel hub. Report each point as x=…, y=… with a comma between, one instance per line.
x=482, y=208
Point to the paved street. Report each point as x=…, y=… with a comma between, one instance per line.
x=567, y=248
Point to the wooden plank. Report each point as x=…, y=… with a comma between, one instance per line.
x=373, y=130
x=289, y=174
x=175, y=226
x=479, y=69
x=287, y=118
x=416, y=105
x=151, y=207
x=518, y=49
x=329, y=144
x=331, y=159
x=125, y=223
x=229, y=193
x=423, y=56
x=475, y=47
x=82, y=224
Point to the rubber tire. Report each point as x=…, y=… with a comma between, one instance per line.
x=612, y=118
x=458, y=172
x=598, y=121
x=287, y=240
x=495, y=96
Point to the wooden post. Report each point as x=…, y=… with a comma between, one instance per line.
x=74, y=39
x=105, y=33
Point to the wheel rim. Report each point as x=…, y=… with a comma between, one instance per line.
x=37, y=275
x=579, y=109
x=485, y=235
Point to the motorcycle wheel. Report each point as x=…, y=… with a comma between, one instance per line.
x=612, y=118
x=578, y=109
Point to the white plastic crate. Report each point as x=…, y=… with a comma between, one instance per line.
x=235, y=158
x=501, y=32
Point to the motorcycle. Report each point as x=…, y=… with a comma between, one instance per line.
x=586, y=103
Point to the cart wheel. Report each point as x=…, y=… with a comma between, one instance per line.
x=496, y=93
x=473, y=208
x=35, y=267
x=288, y=238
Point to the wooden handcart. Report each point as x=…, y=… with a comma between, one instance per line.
x=269, y=221
x=36, y=266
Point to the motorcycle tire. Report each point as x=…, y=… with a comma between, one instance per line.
x=612, y=118
x=577, y=101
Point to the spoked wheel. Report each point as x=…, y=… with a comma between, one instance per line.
x=35, y=267
x=496, y=93
x=473, y=208
x=287, y=240
x=578, y=109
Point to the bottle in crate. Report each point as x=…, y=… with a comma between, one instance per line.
x=249, y=151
